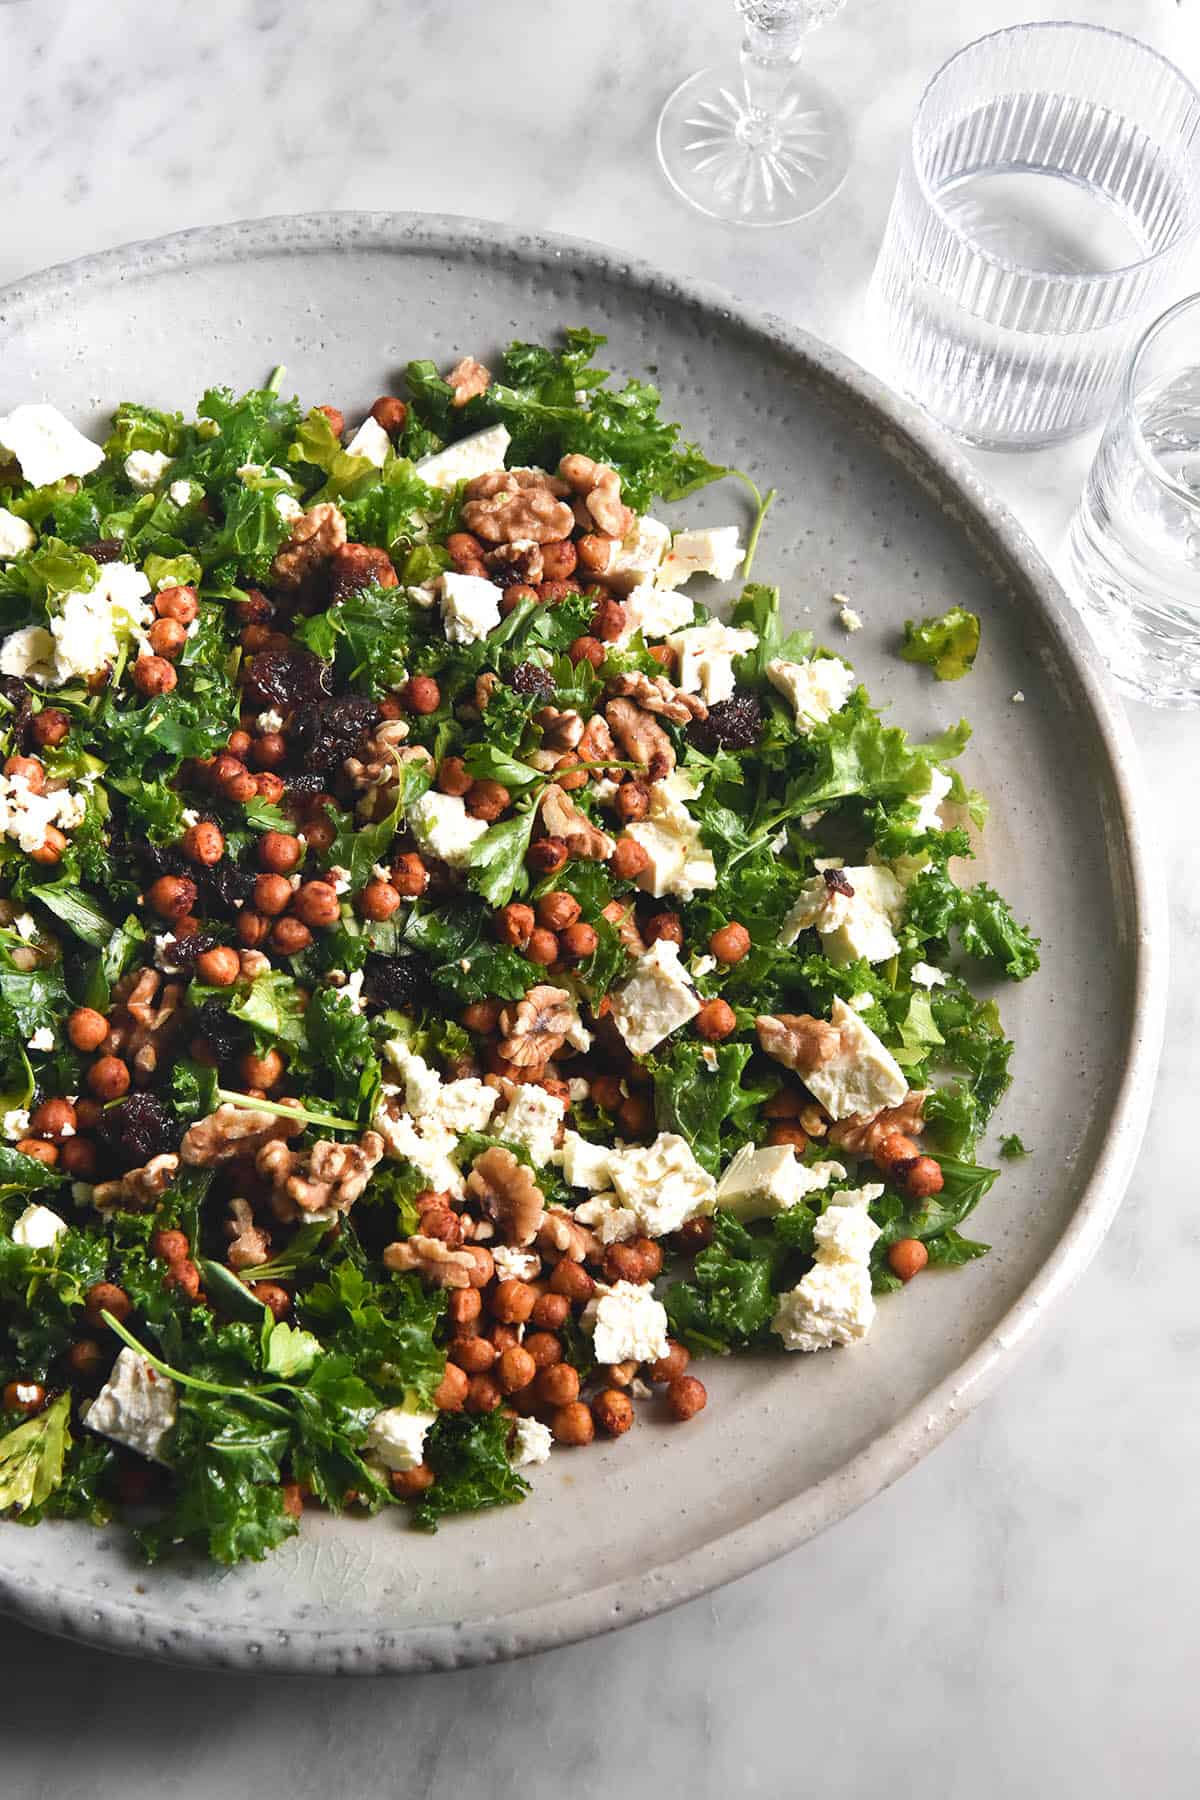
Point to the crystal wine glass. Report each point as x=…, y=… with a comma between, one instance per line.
x=765, y=144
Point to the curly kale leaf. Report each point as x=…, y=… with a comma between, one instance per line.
x=948, y=644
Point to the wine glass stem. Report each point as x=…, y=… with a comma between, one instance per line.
x=768, y=59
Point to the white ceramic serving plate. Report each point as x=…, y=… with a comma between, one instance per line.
x=872, y=502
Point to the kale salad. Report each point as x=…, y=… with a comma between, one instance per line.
x=461, y=968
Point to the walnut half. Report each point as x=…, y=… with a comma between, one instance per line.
x=539, y=1027
x=508, y=1194
x=563, y=819
x=433, y=1260
x=862, y=1133
x=138, y=1189
x=233, y=1131
x=799, y=1041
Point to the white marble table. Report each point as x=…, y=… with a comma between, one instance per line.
x=1017, y=1617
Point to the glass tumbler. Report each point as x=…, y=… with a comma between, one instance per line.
x=1048, y=201
x=1133, y=555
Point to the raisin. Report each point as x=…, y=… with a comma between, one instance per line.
x=287, y=679
x=222, y=885
x=185, y=950
x=16, y=695
x=734, y=724
x=396, y=980
x=323, y=736
x=225, y=1036
x=836, y=883
x=104, y=550
x=303, y=787
x=528, y=678
x=138, y=1129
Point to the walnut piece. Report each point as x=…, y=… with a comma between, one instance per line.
x=138, y=1189
x=469, y=379
x=561, y=1235
x=621, y=915
x=250, y=1245
x=799, y=1041
x=520, y=562
x=233, y=1131
x=641, y=737
x=144, y=1020
x=596, y=745
x=376, y=767
x=560, y=730
x=327, y=1179
x=563, y=819
x=510, y=506
x=507, y=1194
x=432, y=1260
x=539, y=1027
x=655, y=694
x=862, y=1133
x=599, y=489
x=313, y=538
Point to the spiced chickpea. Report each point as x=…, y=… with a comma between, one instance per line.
x=606, y=1092
x=389, y=412
x=487, y=800
x=279, y=853
x=578, y=941
x=274, y=1297
x=409, y=1484
x=924, y=1179
x=515, y=1369
x=613, y=1412
x=263, y=1072
x=378, y=901
x=89, y=1114
x=632, y=801
x=178, y=603
x=320, y=833
x=666, y=925
x=218, y=967
x=786, y=1104
x=651, y=1255
x=543, y=1346
x=453, y=777
x=483, y=1395
x=154, y=675
x=172, y=896
x=466, y=552
x=512, y=1302
x=51, y=848
x=317, y=903
x=623, y=1263
x=410, y=877
x=715, y=1021
x=53, y=1119
x=635, y=1115
x=269, y=787
x=39, y=1150
x=546, y=856
x=77, y=1157
x=573, y=1425
x=50, y=728
x=514, y=924
x=671, y=1366
x=730, y=943
x=109, y=1078
x=694, y=1235
x=336, y=417
x=542, y=948
x=203, y=843
x=482, y=1015
x=893, y=1149
x=293, y=1499
x=106, y=1296
x=513, y=596
x=782, y=1132
x=170, y=1244
x=572, y=1280
x=252, y=929
x=289, y=936
x=686, y=1396
x=557, y=910
x=550, y=1312
x=595, y=552
x=662, y=654
x=272, y=895
x=239, y=742
x=464, y=1306
x=421, y=694
x=24, y=1396
x=907, y=1257
x=451, y=1390
x=557, y=1385
x=609, y=621
x=27, y=769
x=628, y=860
x=167, y=638
x=587, y=649
x=86, y=1358
x=559, y=559
x=269, y=751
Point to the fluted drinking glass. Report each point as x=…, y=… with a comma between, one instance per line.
x=1046, y=208
x=761, y=143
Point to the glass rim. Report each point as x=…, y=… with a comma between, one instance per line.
x=989, y=257
x=1127, y=407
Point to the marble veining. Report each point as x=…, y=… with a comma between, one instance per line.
x=1012, y=1618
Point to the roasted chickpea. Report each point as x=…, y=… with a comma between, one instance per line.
x=730, y=943
x=453, y=777
x=263, y=1072
x=512, y=1302
x=786, y=1104
x=272, y=895
x=686, y=1397
x=635, y=1115
x=550, y=1312
x=557, y=1385
x=279, y=852
x=378, y=901
x=51, y=848
x=171, y=1245
x=421, y=694
x=410, y=876
x=154, y=675
x=167, y=638
x=694, y=1235
x=924, y=1179
x=483, y=1395
x=27, y=769
x=484, y=1268
x=595, y=552
x=24, y=1396
x=578, y=941
x=108, y=1078
x=336, y=417
x=451, y=1390
x=573, y=1425
x=587, y=649
x=543, y=1347
x=269, y=751
x=39, y=1150
x=218, y=967
x=320, y=833
x=666, y=925
x=557, y=910
x=671, y=1366
x=651, y=1255
x=907, y=1258
x=466, y=552
x=715, y=1021
x=559, y=559
x=542, y=948
x=106, y=1296
x=185, y=1276
x=487, y=800
x=482, y=1015
x=89, y=1114
x=178, y=603
x=77, y=1157
x=86, y=1358
x=293, y=1499
x=632, y=801
x=623, y=1263
x=464, y=1306
x=53, y=1119
x=275, y=1298
x=203, y=843
x=894, y=1149
x=515, y=1369
x=50, y=728
x=317, y=903
x=390, y=413
x=514, y=924
x=172, y=896
x=609, y=621
x=546, y=856
x=613, y=1412
x=572, y=1280
x=252, y=928
x=628, y=859
x=289, y=936
x=606, y=1092
x=784, y=1133
x=662, y=654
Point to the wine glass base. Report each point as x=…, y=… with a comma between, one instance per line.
x=737, y=164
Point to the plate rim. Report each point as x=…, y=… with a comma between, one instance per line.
x=931, y=457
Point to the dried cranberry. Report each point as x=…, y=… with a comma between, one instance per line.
x=185, y=950
x=396, y=980
x=104, y=550
x=225, y=1036
x=138, y=1129
x=287, y=679
x=14, y=692
x=733, y=724
x=323, y=736
x=529, y=678
x=836, y=883
x=304, y=787
x=222, y=886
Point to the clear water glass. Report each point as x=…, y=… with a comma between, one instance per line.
x=1046, y=208
x=1133, y=554
x=759, y=143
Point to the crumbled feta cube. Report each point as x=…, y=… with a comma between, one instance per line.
x=88, y=631
x=816, y=689
x=852, y=927
x=470, y=607
x=38, y=1228
x=26, y=816
x=422, y=1085
x=638, y=555
x=1018, y=699
x=15, y=1124
x=28, y=654
x=585, y=1164
x=180, y=493
x=46, y=445
x=850, y=620
x=655, y=612
x=371, y=441
x=514, y=1264
x=927, y=975
x=135, y=1407
x=704, y=657
x=863, y=1077
x=42, y=1039
x=465, y=1105
x=16, y=535
x=656, y=1000
x=145, y=468
x=269, y=722
x=761, y=1182
x=429, y=1147
x=627, y=1324
x=712, y=550
x=476, y=455
x=832, y=1304
x=288, y=507
x=396, y=1437
x=929, y=816
x=444, y=828
x=656, y=1188
x=679, y=863
x=532, y=1442
x=532, y=1119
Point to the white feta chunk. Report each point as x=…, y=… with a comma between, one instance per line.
x=180, y=493
x=704, y=657
x=711, y=550
x=852, y=927
x=585, y=1164
x=656, y=1000
x=42, y=1039
x=88, y=632
x=371, y=441
x=627, y=1324
x=833, y=1304
x=476, y=455
x=429, y=1147
x=638, y=555
x=929, y=817
x=28, y=654
x=863, y=1077
x=465, y=1105
x=15, y=1124
x=817, y=689
x=444, y=828
x=269, y=722
x=514, y=1264
x=396, y=1437
x=470, y=607
x=38, y=1228
x=679, y=863
x=16, y=535
x=533, y=1119
x=135, y=1407
x=927, y=975
x=761, y=1182
x=656, y=1188
x=532, y=1442
x=655, y=612
x=145, y=468
x=46, y=445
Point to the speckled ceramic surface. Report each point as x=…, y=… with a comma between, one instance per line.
x=870, y=498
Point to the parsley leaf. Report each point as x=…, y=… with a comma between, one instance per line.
x=32, y=1455
x=947, y=644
